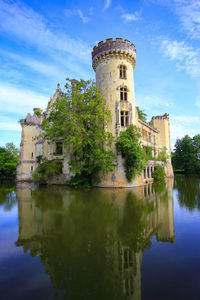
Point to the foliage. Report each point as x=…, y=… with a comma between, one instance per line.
x=9, y=156
x=46, y=170
x=148, y=151
x=185, y=154
x=141, y=114
x=163, y=156
x=80, y=117
x=158, y=174
x=38, y=112
x=128, y=143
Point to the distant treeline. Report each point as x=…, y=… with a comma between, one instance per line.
x=186, y=155
x=9, y=156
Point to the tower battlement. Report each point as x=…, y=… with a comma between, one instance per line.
x=117, y=48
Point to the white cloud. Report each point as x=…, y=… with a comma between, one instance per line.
x=182, y=125
x=20, y=101
x=186, y=57
x=20, y=21
x=107, y=4
x=189, y=13
x=46, y=69
x=197, y=103
x=130, y=17
x=83, y=18
x=148, y=101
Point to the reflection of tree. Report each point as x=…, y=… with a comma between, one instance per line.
x=134, y=223
x=7, y=195
x=78, y=252
x=188, y=188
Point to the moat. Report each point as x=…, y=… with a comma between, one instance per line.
x=137, y=243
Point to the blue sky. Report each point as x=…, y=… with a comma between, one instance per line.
x=44, y=42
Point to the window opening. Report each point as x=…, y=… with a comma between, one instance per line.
x=122, y=72
x=123, y=94
x=124, y=118
x=59, y=148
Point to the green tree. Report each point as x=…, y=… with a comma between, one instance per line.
x=141, y=114
x=185, y=154
x=129, y=144
x=158, y=174
x=9, y=156
x=80, y=117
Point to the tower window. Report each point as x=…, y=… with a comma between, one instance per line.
x=124, y=118
x=31, y=168
x=122, y=72
x=59, y=148
x=123, y=94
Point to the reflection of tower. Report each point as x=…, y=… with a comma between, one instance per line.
x=130, y=266
x=165, y=212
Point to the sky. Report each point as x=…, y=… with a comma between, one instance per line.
x=45, y=42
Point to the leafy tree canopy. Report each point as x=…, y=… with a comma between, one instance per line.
x=129, y=144
x=79, y=116
x=141, y=114
x=9, y=156
x=185, y=156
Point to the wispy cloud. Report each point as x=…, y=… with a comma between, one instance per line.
x=83, y=18
x=107, y=4
x=197, y=103
x=47, y=69
x=17, y=100
x=186, y=57
x=21, y=21
x=131, y=17
x=188, y=12
x=181, y=125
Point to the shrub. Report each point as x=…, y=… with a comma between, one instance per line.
x=46, y=170
x=158, y=174
x=129, y=144
x=163, y=156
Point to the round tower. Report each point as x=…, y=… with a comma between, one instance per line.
x=114, y=62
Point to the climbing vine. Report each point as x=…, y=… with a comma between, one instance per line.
x=129, y=144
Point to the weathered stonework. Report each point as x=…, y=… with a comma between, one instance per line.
x=114, y=62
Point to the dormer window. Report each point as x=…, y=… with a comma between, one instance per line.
x=123, y=94
x=122, y=72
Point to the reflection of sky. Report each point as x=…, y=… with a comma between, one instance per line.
x=21, y=276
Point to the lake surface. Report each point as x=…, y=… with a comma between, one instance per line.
x=142, y=243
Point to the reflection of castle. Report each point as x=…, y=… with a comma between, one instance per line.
x=112, y=239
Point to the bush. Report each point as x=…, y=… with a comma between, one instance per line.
x=129, y=144
x=158, y=174
x=46, y=170
x=163, y=156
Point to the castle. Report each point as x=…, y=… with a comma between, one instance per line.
x=114, y=62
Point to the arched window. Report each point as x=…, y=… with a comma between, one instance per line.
x=123, y=93
x=122, y=72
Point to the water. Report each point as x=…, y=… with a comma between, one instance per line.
x=57, y=243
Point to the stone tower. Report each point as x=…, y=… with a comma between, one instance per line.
x=114, y=62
